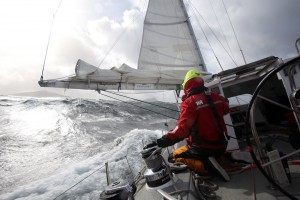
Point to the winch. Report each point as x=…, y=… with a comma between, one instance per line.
x=118, y=190
x=157, y=174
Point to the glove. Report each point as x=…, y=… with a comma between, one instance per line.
x=164, y=141
x=152, y=144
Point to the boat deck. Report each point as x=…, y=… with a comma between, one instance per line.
x=250, y=184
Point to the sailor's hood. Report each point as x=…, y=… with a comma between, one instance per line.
x=192, y=84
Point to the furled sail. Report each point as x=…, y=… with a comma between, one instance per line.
x=89, y=77
x=168, y=39
x=169, y=49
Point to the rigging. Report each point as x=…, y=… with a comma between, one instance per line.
x=213, y=33
x=209, y=43
x=138, y=106
x=234, y=32
x=143, y=101
x=222, y=31
x=54, y=14
x=134, y=18
x=154, y=105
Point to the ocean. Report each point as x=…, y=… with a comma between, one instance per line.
x=49, y=145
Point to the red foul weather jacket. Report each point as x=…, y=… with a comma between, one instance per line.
x=197, y=116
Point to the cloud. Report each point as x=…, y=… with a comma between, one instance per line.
x=88, y=30
x=124, y=36
x=263, y=28
x=272, y=29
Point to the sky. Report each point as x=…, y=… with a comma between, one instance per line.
x=88, y=29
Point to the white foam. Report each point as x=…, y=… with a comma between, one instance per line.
x=90, y=188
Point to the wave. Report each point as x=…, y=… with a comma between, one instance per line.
x=46, y=136
x=90, y=105
x=115, y=153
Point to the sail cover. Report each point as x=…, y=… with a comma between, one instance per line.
x=168, y=39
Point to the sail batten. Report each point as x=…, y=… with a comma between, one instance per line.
x=167, y=31
x=164, y=24
x=179, y=67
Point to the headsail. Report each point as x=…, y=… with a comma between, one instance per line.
x=168, y=38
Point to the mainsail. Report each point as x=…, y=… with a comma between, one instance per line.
x=168, y=50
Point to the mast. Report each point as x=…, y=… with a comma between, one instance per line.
x=193, y=35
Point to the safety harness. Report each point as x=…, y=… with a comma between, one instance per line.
x=195, y=136
x=197, y=157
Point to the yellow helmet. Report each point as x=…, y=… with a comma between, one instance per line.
x=189, y=75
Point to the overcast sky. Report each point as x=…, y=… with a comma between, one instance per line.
x=87, y=29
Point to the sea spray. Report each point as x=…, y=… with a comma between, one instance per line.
x=129, y=145
x=49, y=144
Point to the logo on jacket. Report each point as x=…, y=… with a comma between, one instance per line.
x=199, y=103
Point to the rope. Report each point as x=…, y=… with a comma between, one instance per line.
x=213, y=33
x=78, y=182
x=177, y=166
x=148, y=92
x=49, y=39
x=117, y=40
x=128, y=162
x=234, y=32
x=253, y=182
x=138, y=106
x=157, y=106
x=143, y=101
x=204, y=188
x=155, y=111
x=61, y=78
x=296, y=45
x=238, y=98
x=100, y=169
x=209, y=43
x=221, y=29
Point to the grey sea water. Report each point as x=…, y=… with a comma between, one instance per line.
x=49, y=144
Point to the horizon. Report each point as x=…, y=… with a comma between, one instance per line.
x=86, y=30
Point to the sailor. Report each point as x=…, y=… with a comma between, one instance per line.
x=201, y=122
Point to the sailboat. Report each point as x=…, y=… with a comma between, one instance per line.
x=169, y=49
